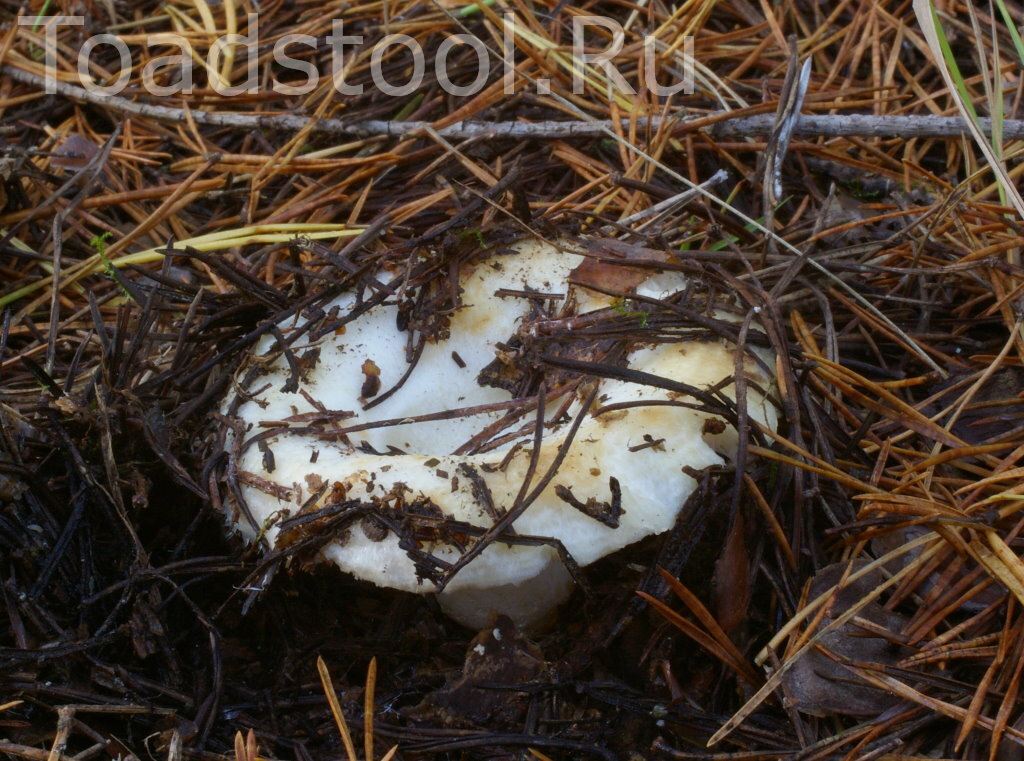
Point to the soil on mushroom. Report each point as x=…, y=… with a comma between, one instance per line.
x=144, y=251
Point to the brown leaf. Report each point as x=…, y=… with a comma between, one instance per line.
x=74, y=152
x=817, y=684
x=499, y=658
x=616, y=266
x=731, y=589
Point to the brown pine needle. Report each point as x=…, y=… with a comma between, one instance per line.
x=332, y=701
x=368, y=709
x=713, y=638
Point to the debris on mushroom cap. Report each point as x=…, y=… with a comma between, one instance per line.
x=413, y=495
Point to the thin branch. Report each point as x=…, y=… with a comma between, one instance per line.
x=719, y=124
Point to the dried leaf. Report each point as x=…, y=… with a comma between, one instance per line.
x=732, y=579
x=74, y=152
x=819, y=685
x=614, y=266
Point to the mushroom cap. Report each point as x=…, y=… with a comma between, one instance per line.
x=639, y=451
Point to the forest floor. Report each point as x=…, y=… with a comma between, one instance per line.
x=847, y=586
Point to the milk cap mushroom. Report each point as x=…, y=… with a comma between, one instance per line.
x=410, y=463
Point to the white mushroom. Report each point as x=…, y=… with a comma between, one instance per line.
x=621, y=477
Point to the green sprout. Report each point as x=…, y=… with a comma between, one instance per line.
x=406, y=110
x=38, y=52
x=619, y=307
x=469, y=10
x=99, y=245
x=472, y=232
